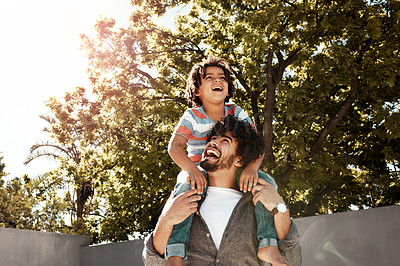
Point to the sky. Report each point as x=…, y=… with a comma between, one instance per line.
x=40, y=57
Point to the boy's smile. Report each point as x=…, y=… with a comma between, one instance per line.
x=214, y=87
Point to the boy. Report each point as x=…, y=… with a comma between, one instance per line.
x=209, y=87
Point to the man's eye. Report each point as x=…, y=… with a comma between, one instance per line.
x=222, y=78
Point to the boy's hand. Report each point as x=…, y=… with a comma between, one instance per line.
x=197, y=180
x=248, y=179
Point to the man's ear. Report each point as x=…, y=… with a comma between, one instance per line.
x=238, y=162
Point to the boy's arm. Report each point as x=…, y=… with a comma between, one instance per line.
x=249, y=176
x=176, y=150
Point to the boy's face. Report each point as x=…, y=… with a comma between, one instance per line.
x=214, y=87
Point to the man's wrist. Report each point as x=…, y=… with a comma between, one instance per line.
x=166, y=220
x=279, y=208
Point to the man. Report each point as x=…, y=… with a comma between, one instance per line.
x=224, y=227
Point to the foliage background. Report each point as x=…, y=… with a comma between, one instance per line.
x=319, y=78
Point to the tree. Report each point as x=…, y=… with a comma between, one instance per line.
x=319, y=79
x=302, y=70
x=32, y=204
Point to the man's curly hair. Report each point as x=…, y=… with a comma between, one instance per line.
x=198, y=70
x=250, y=143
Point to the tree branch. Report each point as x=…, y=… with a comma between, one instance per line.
x=354, y=85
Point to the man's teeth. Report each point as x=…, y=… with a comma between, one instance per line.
x=212, y=153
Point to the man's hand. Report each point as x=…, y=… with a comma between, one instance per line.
x=269, y=197
x=197, y=180
x=177, y=209
x=266, y=194
x=248, y=179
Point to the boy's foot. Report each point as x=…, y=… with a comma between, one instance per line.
x=174, y=261
x=272, y=255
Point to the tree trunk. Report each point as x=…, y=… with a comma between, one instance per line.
x=82, y=195
x=268, y=112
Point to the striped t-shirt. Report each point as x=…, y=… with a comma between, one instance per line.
x=195, y=126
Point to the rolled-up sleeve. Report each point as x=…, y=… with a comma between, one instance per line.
x=290, y=247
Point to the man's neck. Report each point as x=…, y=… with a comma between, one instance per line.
x=223, y=178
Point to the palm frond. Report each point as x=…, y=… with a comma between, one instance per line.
x=49, y=119
x=40, y=154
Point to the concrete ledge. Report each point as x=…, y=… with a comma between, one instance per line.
x=33, y=248
x=364, y=237
x=121, y=254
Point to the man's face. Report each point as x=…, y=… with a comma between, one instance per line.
x=220, y=153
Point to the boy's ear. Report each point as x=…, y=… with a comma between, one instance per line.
x=196, y=92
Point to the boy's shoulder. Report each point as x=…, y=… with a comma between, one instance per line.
x=194, y=112
x=195, y=109
x=230, y=103
x=233, y=107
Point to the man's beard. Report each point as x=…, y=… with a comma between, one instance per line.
x=212, y=167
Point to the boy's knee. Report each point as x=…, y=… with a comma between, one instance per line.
x=181, y=188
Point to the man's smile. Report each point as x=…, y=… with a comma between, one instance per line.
x=212, y=153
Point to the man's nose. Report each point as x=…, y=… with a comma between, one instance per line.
x=217, y=80
x=214, y=142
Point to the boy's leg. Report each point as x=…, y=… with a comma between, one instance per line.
x=180, y=234
x=266, y=233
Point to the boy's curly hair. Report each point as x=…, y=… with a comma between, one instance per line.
x=198, y=70
x=250, y=143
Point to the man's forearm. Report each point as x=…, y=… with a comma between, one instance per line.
x=161, y=234
x=175, y=211
x=282, y=224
